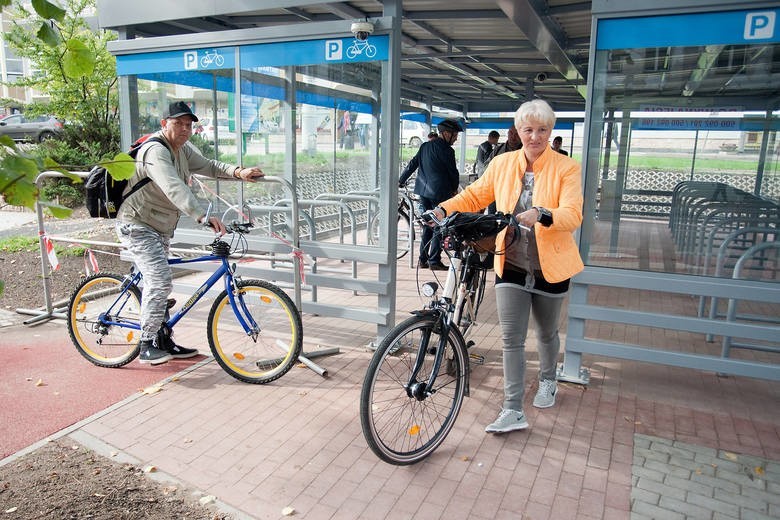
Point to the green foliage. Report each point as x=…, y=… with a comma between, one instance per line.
x=63, y=191
x=79, y=74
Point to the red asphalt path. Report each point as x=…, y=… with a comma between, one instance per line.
x=71, y=387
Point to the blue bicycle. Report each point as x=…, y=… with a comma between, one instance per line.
x=254, y=329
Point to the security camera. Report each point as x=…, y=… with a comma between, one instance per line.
x=361, y=30
x=541, y=77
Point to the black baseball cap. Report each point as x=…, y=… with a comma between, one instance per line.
x=178, y=109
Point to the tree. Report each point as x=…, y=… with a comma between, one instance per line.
x=76, y=69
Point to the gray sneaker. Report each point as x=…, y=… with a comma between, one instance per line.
x=545, y=396
x=508, y=420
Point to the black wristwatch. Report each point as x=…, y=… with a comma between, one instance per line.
x=545, y=216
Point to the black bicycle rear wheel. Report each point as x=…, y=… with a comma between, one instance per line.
x=400, y=429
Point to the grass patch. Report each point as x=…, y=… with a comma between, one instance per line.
x=18, y=244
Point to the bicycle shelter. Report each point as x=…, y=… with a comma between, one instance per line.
x=309, y=105
x=295, y=99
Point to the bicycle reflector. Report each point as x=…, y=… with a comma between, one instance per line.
x=429, y=289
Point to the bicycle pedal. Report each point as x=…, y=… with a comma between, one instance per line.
x=477, y=359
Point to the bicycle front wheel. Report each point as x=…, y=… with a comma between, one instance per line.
x=105, y=345
x=272, y=345
x=402, y=428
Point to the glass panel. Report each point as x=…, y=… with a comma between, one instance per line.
x=327, y=146
x=682, y=173
x=308, y=112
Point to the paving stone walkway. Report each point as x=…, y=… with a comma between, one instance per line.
x=677, y=480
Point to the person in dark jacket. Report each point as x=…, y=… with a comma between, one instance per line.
x=484, y=151
x=436, y=181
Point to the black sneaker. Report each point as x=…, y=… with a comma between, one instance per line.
x=436, y=266
x=152, y=355
x=176, y=351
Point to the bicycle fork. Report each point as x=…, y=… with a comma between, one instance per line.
x=237, y=303
x=421, y=390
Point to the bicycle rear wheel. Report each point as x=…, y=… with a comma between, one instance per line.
x=405, y=228
x=399, y=428
x=268, y=352
x=105, y=345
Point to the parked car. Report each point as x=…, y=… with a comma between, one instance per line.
x=223, y=130
x=413, y=133
x=37, y=129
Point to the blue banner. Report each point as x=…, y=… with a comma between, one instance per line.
x=723, y=28
x=312, y=52
x=176, y=61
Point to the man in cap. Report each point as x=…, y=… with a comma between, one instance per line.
x=148, y=217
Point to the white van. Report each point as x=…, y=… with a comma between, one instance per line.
x=413, y=133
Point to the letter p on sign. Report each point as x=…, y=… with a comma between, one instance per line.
x=333, y=50
x=190, y=60
x=759, y=26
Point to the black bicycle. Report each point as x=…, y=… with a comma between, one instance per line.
x=417, y=378
x=406, y=223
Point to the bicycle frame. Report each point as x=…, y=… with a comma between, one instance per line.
x=223, y=271
x=445, y=309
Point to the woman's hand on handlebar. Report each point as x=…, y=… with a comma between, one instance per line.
x=433, y=216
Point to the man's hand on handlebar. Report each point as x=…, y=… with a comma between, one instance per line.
x=216, y=224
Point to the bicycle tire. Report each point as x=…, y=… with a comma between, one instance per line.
x=278, y=344
x=400, y=429
x=110, y=346
x=404, y=228
x=475, y=291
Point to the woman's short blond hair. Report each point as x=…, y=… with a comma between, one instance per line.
x=535, y=110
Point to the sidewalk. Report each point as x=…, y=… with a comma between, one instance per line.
x=641, y=441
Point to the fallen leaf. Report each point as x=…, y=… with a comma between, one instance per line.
x=465, y=458
x=11, y=510
x=151, y=389
x=99, y=495
x=758, y=470
x=74, y=447
x=114, y=453
x=150, y=469
x=288, y=511
x=187, y=441
x=39, y=382
x=208, y=499
x=174, y=379
x=730, y=456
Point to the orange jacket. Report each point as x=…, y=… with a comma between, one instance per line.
x=557, y=187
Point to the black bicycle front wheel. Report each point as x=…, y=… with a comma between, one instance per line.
x=400, y=429
x=104, y=345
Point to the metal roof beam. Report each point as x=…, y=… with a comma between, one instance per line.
x=454, y=14
x=530, y=23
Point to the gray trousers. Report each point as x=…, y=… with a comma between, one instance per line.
x=150, y=254
x=514, y=308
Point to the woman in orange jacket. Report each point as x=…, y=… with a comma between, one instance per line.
x=544, y=190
